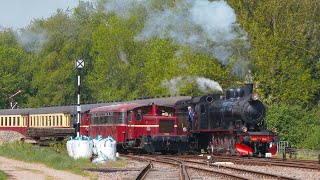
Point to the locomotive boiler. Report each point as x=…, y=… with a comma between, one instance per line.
x=232, y=123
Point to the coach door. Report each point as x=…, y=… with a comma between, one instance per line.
x=130, y=126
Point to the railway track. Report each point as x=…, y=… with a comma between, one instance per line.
x=200, y=169
x=162, y=167
x=154, y=171
x=304, y=164
x=243, y=173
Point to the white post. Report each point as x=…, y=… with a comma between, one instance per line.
x=79, y=65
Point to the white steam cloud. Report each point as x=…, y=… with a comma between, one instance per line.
x=203, y=25
x=31, y=41
x=205, y=85
x=123, y=57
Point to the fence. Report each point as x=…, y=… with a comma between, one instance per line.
x=282, y=146
x=292, y=152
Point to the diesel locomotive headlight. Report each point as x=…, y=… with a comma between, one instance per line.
x=254, y=96
x=244, y=129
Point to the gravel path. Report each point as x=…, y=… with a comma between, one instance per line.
x=25, y=171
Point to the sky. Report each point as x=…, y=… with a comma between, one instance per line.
x=19, y=13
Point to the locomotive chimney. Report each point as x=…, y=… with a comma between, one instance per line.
x=248, y=89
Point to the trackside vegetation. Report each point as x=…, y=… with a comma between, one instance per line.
x=3, y=175
x=56, y=158
x=146, y=49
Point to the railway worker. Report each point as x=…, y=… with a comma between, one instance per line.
x=190, y=116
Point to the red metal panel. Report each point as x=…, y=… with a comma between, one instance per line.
x=22, y=130
x=84, y=124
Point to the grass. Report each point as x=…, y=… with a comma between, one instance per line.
x=2, y=175
x=56, y=158
x=298, y=157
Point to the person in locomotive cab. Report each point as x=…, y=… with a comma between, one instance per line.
x=190, y=116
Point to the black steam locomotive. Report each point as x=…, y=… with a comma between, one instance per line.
x=231, y=123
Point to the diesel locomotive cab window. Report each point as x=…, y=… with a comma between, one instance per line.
x=121, y=117
x=166, y=126
x=139, y=115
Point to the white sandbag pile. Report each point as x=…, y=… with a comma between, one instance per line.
x=80, y=147
x=105, y=149
x=85, y=147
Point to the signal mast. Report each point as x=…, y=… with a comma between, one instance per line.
x=14, y=105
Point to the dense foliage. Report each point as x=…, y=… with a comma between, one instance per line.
x=277, y=40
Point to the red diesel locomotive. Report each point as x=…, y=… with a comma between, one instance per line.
x=150, y=128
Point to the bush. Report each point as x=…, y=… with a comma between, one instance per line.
x=297, y=125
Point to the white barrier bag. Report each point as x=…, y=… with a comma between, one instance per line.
x=82, y=148
x=69, y=147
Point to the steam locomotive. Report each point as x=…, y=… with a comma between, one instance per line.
x=230, y=124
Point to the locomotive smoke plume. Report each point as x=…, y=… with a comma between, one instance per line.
x=123, y=57
x=205, y=85
x=172, y=84
x=31, y=41
x=205, y=26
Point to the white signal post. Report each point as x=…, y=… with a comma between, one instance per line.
x=79, y=66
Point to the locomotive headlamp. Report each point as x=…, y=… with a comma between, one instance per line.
x=244, y=129
x=254, y=96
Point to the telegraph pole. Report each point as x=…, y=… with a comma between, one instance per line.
x=79, y=66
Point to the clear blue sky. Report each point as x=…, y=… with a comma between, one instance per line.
x=19, y=13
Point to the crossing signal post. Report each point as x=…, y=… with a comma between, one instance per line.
x=79, y=66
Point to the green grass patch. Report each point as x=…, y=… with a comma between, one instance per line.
x=3, y=175
x=298, y=157
x=59, y=160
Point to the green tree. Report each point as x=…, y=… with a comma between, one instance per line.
x=297, y=125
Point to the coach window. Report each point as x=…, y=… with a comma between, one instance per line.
x=13, y=121
x=130, y=116
x=109, y=118
x=10, y=121
x=53, y=121
x=94, y=119
x=57, y=119
x=121, y=117
x=103, y=119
